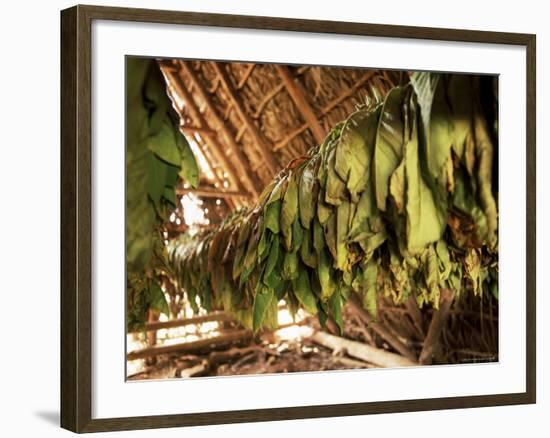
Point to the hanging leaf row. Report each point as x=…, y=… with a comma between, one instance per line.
x=398, y=200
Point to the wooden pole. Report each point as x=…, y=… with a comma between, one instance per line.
x=191, y=130
x=439, y=319
x=209, y=193
x=359, y=350
x=241, y=161
x=261, y=142
x=349, y=92
x=246, y=75
x=158, y=325
x=187, y=347
x=299, y=98
x=357, y=308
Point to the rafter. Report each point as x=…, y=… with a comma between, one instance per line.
x=241, y=161
x=239, y=168
x=187, y=129
x=261, y=142
x=299, y=98
x=348, y=93
x=246, y=75
x=325, y=110
x=267, y=98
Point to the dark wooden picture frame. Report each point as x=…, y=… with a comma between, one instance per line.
x=76, y=217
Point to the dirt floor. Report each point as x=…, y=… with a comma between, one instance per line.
x=470, y=335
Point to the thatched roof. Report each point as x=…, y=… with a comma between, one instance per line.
x=248, y=121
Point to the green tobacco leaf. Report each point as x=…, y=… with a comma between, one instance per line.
x=156, y=178
x=262, y=301
x=307, y=252
x=189, y=169
x=302, y=290
x=318, y=237
x=342, y=230
x=426, y=220
x=336, y=304
x=306, y=195
x=436, y=122
x=460, y=92
x=264, y=245
x=272, y=216
x=472, y=269
x=164, y=145
x=432, y=276
x=397, y=187
x=290, y=266
x=170, y=195
x=157, y=299
x=335, y=190
x=445, y=264
x=388, y=150
x=289, y=211
x=365, y=284
x=155, y=98
x=273, y=256
x=326, y=275
x=353, y=155
x=330, y=236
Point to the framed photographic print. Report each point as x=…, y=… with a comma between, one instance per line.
x=267, y=218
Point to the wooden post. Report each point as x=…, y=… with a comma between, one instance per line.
x=439, y=319
x=299, y=98
x=261, y=142
x=242, y=162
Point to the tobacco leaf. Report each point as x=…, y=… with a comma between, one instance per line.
x=302, y=290
x=262, y=300
x=289, y=210
x=189, y=169
x=426, y=220
x=389, y=144
x=306, y=194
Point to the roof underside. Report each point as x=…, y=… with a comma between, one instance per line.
x=247, y=121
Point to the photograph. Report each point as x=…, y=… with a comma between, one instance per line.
x=300, y=218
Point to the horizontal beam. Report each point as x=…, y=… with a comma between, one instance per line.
x=187, y=347
x=209, y=193
x=159, y=325
x=191, y=130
